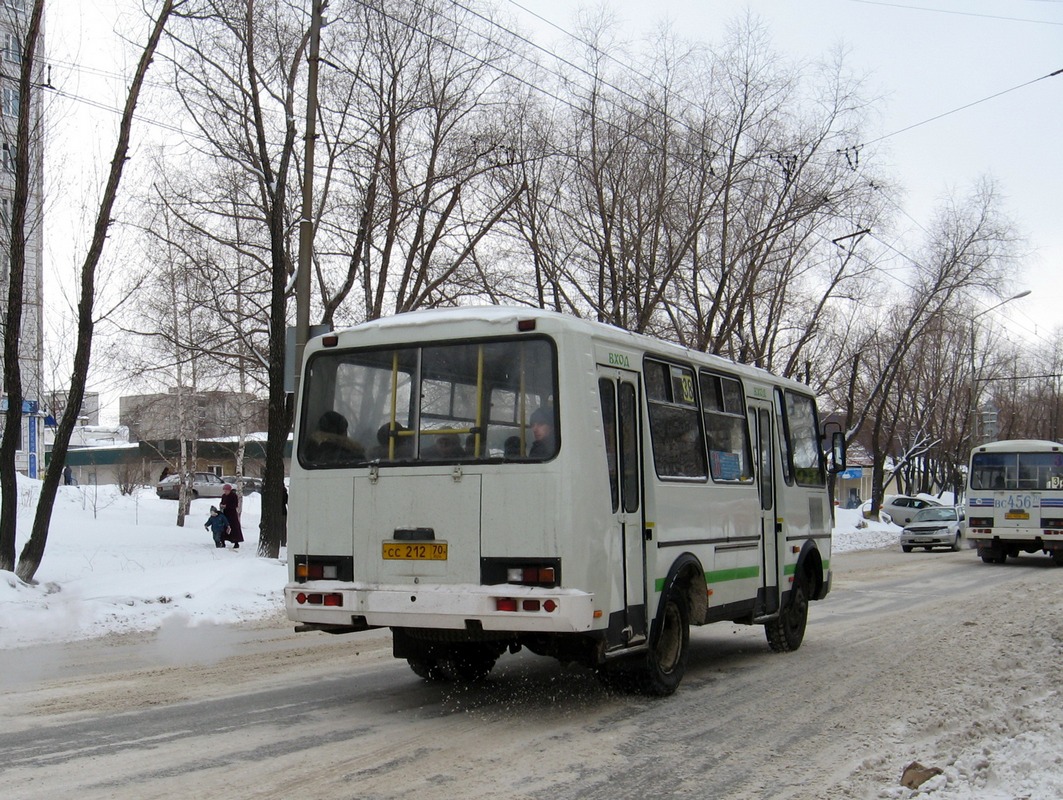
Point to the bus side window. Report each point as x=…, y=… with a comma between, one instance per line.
x=802, y=430
x=726, y=428
x=784, y=439
x=675, y=421
x=607, y=397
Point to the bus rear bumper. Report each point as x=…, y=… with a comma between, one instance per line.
x=1049, y=543
x=504, y=607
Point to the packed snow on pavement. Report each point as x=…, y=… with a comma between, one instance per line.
x=120, y=564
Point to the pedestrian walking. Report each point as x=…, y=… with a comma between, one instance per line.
x=218, y=525
x=230, y=507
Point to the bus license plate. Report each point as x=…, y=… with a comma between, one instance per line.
x=1017, y=515
x=415, y=551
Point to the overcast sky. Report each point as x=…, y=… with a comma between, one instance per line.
x=924, y=58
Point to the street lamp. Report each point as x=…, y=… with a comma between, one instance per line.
x=974, y=379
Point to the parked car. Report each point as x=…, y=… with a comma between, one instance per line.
x=902, y=509
x=204, y=484
x=250, y=484
x=937, y=526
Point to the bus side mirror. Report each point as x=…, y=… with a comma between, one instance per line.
x=837, y=451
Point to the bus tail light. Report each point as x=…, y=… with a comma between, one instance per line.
x=316, y=572
x=530, y=604
x=980, y=522
x=532, y=576
x=323, y=568
x=334, y=599
x=1055, y=525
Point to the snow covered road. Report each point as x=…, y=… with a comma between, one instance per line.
x=932, y=657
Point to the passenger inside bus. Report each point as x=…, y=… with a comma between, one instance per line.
x=403, y=444
x=447, y=446
x=329, y=444
x=542, y=425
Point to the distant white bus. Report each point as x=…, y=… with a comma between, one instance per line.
x=487, y=479
x=1015, y=499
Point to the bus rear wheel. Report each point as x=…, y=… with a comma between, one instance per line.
x=993, y=555
x=465, y=663
x=666, y=660
x=786, y=632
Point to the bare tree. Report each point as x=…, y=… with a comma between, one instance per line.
x=30, y=558
x=970, y=248
x=416, y=123
x=26, y=142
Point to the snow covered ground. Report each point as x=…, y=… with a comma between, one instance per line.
x=117, y=564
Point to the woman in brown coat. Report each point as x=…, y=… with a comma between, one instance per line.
x=230, y=507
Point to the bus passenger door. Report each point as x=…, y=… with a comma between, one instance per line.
x=618, y=392
x=760, y=417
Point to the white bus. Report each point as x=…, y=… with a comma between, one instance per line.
x=1015, y=499
x=487, y=479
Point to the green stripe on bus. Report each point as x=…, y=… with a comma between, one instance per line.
x=737, y=574
x=720, y=575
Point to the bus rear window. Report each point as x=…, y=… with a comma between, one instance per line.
x=1017, y=471
x=478, y=400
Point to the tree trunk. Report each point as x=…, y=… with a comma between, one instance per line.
x=12, y=435
x=30, y=558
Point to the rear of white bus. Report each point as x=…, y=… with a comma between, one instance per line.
x=1015, y=500
x=422, y=499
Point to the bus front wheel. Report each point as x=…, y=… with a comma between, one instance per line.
x=787, y=631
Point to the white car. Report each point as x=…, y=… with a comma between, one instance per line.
x=902, y=508
x=937, y=526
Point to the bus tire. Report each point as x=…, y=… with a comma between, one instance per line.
x=992, y=555
x=1057, y=558
x=463, y=663
x=786, y=632
x=666, y=660
x=426, y=668
x=471, y=664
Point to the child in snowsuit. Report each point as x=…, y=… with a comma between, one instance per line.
x=218, y=524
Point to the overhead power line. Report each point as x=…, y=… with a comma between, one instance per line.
x=963, y=107
x=954, y=12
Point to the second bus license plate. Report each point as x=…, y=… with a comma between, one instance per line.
x=415, y=551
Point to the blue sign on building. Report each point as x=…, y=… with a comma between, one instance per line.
x=852, y=473
x=28, y=406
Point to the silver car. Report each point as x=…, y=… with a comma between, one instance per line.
x=901, y=508
x=204, y=484
x=937, y=526
x=250, y=484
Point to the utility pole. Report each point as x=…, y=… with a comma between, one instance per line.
x=306, y=223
